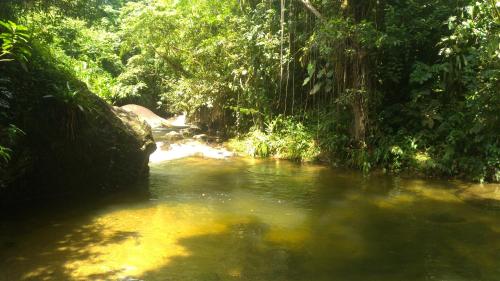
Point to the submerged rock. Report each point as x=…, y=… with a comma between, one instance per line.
x=194, y=128
x=200, y=137
x=173, y=136
x=445, y=218
x=482, y=195
x=186, y=133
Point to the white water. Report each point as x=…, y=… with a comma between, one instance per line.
x=187, y=148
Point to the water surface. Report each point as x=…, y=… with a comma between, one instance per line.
x=244, y=219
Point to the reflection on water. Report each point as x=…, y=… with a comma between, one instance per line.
x=243, y=219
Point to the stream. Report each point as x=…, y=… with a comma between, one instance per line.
x=224, y=218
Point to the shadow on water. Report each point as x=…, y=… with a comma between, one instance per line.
x=386, y=244
x=374, y=239
x=239, y=253
x=66, y=233
x=56, y=257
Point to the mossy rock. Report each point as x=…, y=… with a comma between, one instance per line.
x=73, y=143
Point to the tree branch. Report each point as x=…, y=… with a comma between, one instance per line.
x=175, y=65
x=312, y=9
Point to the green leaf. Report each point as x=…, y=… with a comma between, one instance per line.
x=4, y=24
x=311, y=68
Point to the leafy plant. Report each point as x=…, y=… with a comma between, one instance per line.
x=283, y=138
x=71, y=108
x=14, y=43
x=397, y=85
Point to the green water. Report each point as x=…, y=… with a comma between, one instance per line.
x=241, y=219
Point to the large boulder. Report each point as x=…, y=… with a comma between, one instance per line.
x=173, y=136
x=72, y=141
x=146, y=115
x=83, y=145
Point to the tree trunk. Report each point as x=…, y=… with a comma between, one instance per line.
x=360, y=118
x=355, y=70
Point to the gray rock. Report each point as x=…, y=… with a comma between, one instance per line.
x=200, y=137
x=195, y=129
x=146, y=115
x=173, y=136
x=103, y=148
x=187, y=133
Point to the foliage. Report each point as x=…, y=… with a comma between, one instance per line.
x=398, y=85
x=283, y=138
x=90, y=53
x=189, y=55
x=14, y=46
x=458, y=95
x=9, y=135
x=14, y=43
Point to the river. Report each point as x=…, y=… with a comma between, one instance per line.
x=206, y=219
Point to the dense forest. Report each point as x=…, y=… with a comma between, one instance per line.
x=395, y=85
x=255, y=140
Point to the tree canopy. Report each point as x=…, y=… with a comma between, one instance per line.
x=394, y=84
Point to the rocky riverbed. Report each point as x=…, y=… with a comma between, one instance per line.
x=177, y=139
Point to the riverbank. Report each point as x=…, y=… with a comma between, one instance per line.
x=179, y=140
x=290, y=139
x=481, y=194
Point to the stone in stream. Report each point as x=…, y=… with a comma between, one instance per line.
x=201, y=137
x=186, y=133
x=195, y=129
x=173, y=136
x=190, y=131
